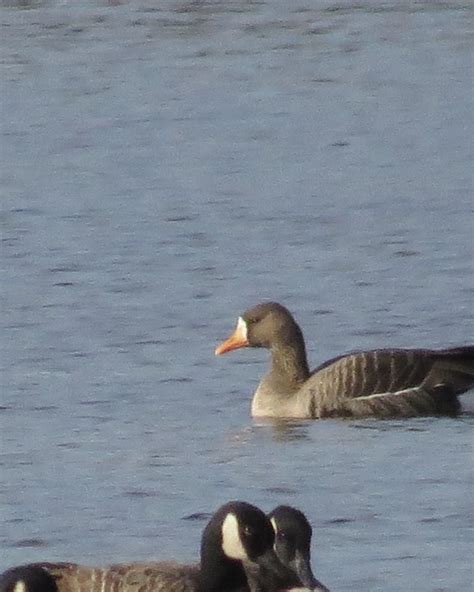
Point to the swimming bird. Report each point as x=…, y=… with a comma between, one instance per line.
x=380, y=382
x=27, y=579
x=236, y=556
x=293, y=534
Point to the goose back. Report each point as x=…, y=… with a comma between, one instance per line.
x=391, y=382
x=124, y=577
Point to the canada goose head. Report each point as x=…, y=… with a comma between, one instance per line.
x=292, y=545
x=237, y=550
x=27, y=578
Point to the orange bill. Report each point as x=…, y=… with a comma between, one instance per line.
x=236, y=340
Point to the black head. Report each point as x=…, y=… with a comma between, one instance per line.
x=264, y=325
x=244, y=531
x=27, y=578
x=237, y=534
x=292, y=532
x=293, y=535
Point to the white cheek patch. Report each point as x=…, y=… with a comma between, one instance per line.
x=20, y=587
x=241, y=328
x=231, y=541
x=275, y=528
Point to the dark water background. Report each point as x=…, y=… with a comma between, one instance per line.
x=164, y=166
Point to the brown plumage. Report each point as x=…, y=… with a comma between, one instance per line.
x=132, y=577
x=382, y=382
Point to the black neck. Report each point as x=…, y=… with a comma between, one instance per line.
x=222, y=574
x=218, y=573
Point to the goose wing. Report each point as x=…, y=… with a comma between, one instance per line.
x=395, y=381
x=124, y=577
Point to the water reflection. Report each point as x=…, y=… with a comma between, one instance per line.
x=284, y=430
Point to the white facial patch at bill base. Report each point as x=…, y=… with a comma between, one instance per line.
x=20, y=587
x=241, y=329
x=231, y=541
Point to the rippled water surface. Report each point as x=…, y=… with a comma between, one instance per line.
x=164, y=166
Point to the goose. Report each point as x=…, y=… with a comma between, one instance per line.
x=380, y=382
x=236, y=556
x=292, y=545
x=27, y=579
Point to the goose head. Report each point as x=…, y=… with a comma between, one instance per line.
x=27, y=578
x=292, y=545
x=264, y=325
x=237, y=550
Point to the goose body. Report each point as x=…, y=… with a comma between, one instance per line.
x=236, y=556
x=133, y=577
x=380, y=382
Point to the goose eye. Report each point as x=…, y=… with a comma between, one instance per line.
x=248, y=531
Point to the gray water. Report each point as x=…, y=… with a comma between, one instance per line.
x=165, y=166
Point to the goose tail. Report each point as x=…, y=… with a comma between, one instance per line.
x=454, y=369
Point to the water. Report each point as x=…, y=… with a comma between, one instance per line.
x=168, y=164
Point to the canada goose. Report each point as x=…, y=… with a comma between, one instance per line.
x=292, y=545
x=381, y=382
x=236, y=556
x=27, y=579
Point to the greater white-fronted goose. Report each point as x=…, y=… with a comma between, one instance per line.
x=236, y=556
x=381, y=382
x=292, y=546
